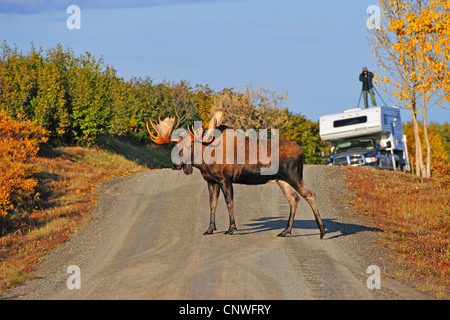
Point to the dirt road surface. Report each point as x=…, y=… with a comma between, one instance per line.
x=146, y=242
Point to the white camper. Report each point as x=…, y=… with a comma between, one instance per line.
x=372, y=137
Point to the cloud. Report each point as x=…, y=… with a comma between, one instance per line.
x=38, y=6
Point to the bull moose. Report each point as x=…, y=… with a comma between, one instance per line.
x=220, y=175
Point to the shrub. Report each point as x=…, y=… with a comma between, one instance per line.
x=18, y=148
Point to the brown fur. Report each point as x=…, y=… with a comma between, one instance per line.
x=222, y=176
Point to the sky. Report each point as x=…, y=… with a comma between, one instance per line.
x=313, y=49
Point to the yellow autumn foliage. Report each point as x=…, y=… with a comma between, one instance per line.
x=413, y=46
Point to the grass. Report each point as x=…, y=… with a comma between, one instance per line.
x=152, y=156
x=66, y=184
x=414, y=214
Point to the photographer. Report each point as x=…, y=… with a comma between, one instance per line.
x=366, y=78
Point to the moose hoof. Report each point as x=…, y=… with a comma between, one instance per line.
x=322, y=233
x=230, y=231
x=210, y=229
x=284, y=233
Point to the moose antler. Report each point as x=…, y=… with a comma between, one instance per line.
x=197, y=137
x=163, y=130
x=208, y=136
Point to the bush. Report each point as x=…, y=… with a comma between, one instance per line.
x=80, y=99
x=18, y=148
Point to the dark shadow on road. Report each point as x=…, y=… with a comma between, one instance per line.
x=334, y=228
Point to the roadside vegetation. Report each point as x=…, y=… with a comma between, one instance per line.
x=414, y=215
x=47, y=191
x=80, y=99
x=411, y=47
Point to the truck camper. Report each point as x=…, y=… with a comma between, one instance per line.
x=366, y=137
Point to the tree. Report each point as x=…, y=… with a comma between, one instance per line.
x=431, y=32
x=50, y=103
x=412, y=44
x=437, y=140
x=306, y=134
x=90, y=83
x=80, y=98
x=176, y=100
x=250, y=108
x=205, y=96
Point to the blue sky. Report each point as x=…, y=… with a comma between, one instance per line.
x=314, y=49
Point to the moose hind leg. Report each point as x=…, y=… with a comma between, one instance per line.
x=293, y=199
x=227, y=190
x=310, y=197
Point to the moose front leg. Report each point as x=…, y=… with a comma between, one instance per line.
x=214, y=190
x=227, y=190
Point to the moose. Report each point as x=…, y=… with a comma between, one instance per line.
x=220, y=175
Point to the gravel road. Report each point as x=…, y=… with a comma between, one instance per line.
x=146, y=242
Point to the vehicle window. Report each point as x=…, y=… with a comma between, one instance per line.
x=349, y=121
x=361, y=145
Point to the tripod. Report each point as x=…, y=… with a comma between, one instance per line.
x=360, y=95
x=378, y=95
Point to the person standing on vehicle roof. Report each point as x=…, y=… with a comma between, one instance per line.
x=366, y=78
